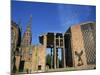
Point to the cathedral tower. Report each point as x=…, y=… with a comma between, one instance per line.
x=27, y=37
x=25, y=63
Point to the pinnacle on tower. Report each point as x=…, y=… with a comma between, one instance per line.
x=27, y=37
x=29, y=23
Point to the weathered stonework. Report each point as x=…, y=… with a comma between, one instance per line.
x=17, y=62
x=78, y=46
x=38, y=58
x=15, y=43
x=76, y=55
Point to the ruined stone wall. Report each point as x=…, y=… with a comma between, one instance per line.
x=27, y=58
x=38, y=58
x=34, y=59
x=42, y=57
x=17, y=62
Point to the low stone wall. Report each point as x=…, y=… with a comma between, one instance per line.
x=89, y=67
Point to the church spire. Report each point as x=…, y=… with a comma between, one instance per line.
x=29, y=23
x=27, y=37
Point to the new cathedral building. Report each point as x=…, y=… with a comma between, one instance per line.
x=77, y=44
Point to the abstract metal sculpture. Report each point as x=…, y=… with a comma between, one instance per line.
x=80, y=62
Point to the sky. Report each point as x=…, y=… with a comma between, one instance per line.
x=50, y=17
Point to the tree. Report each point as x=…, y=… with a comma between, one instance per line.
x=48, y=60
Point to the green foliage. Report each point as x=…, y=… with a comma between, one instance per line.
x=48, y=60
